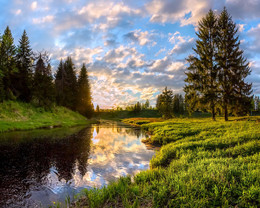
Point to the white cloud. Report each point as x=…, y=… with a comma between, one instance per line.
x=43, y=20
x=143, y=38
x=241, y=27
x=182, y=44
x=18, y=11
x=34, y=5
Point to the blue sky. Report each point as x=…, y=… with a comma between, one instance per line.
x=132, y=49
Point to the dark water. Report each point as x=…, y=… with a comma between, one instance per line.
x=43, y=166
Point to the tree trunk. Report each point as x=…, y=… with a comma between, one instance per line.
x=226, y=113
x=213, y=113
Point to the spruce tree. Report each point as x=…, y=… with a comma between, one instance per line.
x=97, y=109
x=84, y=103
x=70, y=87
x=60, y=84
x=164, y=103
x=43, y=93
x=147, y=104
x=7, y=64
x=137, y=107
x=23, y=82
x=178, y=104
x=233, y=67
x=2, y=92
x=201, y=74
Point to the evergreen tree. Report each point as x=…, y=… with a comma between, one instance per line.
x=233, y=68
x=2, y=92
x=202, y=70
x=178, y=104
x=97, y=109
x=23, y=82
x=60, y=84
x=256, y=103
x=7, y=64
x=164, y=103
x=137, y=107
x=43, y=88
x=84, y=103
x=70, y=85
x=147, y=104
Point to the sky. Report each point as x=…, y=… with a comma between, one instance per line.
x=132, y=49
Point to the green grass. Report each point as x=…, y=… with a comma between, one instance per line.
x=119, y=115
x=201, y=164
x=25, y=116
x=140, y=121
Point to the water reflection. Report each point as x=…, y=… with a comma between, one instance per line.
x=39, y=169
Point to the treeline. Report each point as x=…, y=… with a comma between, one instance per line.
x=170, y=105
x=256, y=104
x=138, y=106
x=28, y=77
x=217, y=71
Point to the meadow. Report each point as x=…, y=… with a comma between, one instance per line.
x=117, y=115
x=24, y=116
x=201, y=163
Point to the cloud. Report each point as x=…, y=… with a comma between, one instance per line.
x=255, y=34
x=142, y=38
x=186, y=11
x=181, y=44
x=43, y=20
x=19, y=11
x=241, y=9
x=34, y=5
x=115, y=39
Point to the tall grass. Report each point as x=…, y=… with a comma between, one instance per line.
x=201, y=164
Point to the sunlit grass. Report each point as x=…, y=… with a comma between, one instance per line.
x=24, y=116
x=140, y=121
x=201, y=164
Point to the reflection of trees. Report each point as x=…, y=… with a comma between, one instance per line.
x=134, y=131
x=26, y=165
x=97, y=129
x=119, y=130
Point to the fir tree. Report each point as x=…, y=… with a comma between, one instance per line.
x=2, y=92
x=7, y=64
x=70, y=85
x=137, y=107
x=147, y=104
x=84, y=103
x=178, y=104
x=202, y=70
x=23, y=82
x=97, y=109
x=164, y=103
x=43, y=93
x=233, y=67
x=60, y=84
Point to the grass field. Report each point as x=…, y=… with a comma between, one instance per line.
x=201, y=164
x=119, y=115
x=24, y=116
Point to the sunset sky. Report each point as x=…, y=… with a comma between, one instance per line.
x=132, y=49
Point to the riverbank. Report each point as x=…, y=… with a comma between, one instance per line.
x=118, y=115
x=201, y=164
x=24, y=116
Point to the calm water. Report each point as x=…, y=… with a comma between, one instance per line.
x=39, y=167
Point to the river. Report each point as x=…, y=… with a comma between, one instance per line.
x=43, y=166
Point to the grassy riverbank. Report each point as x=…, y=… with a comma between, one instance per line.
x=24, y=116
x=201, y=164
x=123, y=114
